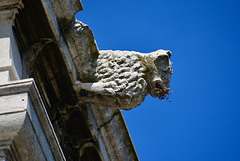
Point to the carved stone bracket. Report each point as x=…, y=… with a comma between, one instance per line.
x=66, y=9
x=116, y=79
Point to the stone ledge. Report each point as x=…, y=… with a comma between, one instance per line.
x=8, y=9
x=24, y=120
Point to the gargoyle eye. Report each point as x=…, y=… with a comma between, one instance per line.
x=166, y=69
x=162, y=63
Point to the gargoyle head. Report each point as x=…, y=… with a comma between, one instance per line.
x=159, y=71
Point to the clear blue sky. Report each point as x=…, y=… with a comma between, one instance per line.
x=202, y=123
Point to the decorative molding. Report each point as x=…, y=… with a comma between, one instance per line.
x=8, y=150
x=8, y=9
x=25, y=121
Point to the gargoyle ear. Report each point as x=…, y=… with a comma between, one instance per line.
x=169, y=53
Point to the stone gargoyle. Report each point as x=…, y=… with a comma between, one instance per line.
x=124, y=78
x=118, y=79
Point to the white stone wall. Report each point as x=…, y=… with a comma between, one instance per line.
x=26, y=132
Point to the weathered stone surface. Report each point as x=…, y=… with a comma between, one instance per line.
x=10, y=64
x=112, y=134
x=24, y=121
x=122, y=79
x=8, y=9
x=117, y=79
x=83, y=48
x=8, y=151
x=87, y=60
x=66, y=9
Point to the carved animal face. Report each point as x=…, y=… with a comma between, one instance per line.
x=160, y=70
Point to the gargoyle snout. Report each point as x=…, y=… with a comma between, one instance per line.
x=156, y=86
x=157, y=82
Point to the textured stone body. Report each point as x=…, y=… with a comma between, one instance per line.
x=124, y=78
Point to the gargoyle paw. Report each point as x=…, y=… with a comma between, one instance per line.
x=77, y=86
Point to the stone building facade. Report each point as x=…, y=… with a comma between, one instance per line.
x=45, y=54
x=40, y=118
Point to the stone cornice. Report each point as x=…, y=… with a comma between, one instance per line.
x=8, y=150
x=23, y=116
x=8, y=9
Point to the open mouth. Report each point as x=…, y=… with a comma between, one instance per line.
x=160, y=91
